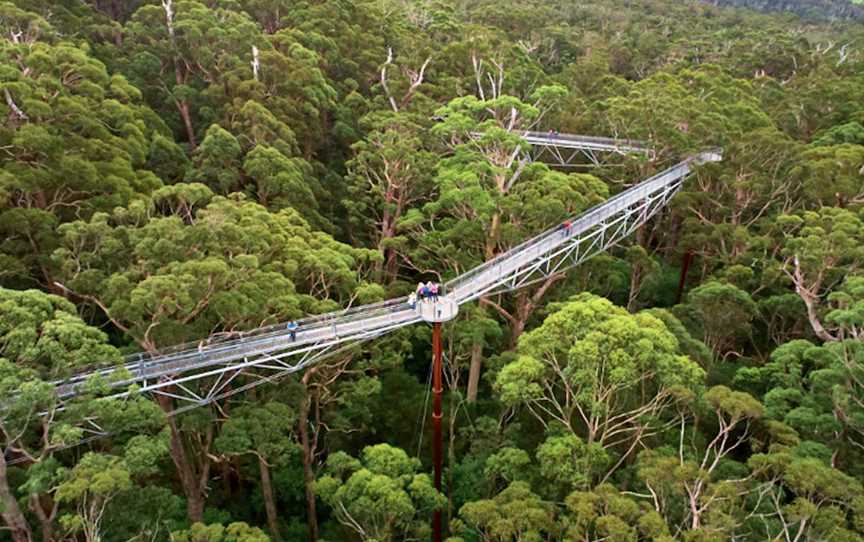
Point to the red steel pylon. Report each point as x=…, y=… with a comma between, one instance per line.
x=438, y=436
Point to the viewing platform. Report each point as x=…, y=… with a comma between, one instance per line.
x=443, y=310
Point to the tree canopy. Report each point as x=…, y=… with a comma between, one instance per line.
x=181, y=172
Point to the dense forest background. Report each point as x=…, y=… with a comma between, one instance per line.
x=812, y=9
x=172, y=169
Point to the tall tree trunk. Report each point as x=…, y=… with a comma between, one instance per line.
x=682, y=280
x=636, y=276
x=117, y=15
x=390, y=267
x=308, y=471
x=269, y=499
x=494, y=233
x=524, y=307
x=180, y=74
x=474, y=370
x=183, y=107
x=11, y=513
x=394, y=202
x=813, y=317
x=46, y=518
x=192, y=487
x=637, y=272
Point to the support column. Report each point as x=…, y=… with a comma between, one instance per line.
x=438, y=435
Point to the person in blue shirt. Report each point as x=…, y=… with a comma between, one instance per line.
x=292, y=330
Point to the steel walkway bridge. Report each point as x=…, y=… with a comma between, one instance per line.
x=214, y=364
x=566, y=150
x=570, y=150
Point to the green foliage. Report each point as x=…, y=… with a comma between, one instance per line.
x=166, y=279
x=77, y=142
x=265, y=431
x=183, y=168
x=381, y=496
x=513, y=514
x=606, y=513
x=814, y=390
x=234, y=532
x=723, y=313
x=588, y=352
x=568, y=463
x=43, y=333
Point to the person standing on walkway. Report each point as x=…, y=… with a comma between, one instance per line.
x=292, y=330
x=412, y=300
x=433, y=291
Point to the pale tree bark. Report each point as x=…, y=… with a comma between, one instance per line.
x=13, y=107
x=256, y=63
x=415, y=79
x=809, y=294
x=720, y=446
x=11, y=513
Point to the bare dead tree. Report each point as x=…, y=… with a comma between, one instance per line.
x=16, y=111
x=384, y=84
x=256, y=62
x=415, y=79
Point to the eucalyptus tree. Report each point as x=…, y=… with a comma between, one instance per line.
x=516, y=513
x=724, y=315
x=42, y=339
x=700, y=487
x=817, y=391
x=382, y=496
x=177, y=47
x=265, y=432
x=818, y=248
x=390, y=174
x=602, y=374
x=77, y=141
x=216, y=532
x=184, y=266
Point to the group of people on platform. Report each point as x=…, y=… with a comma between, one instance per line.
x=424, y=292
